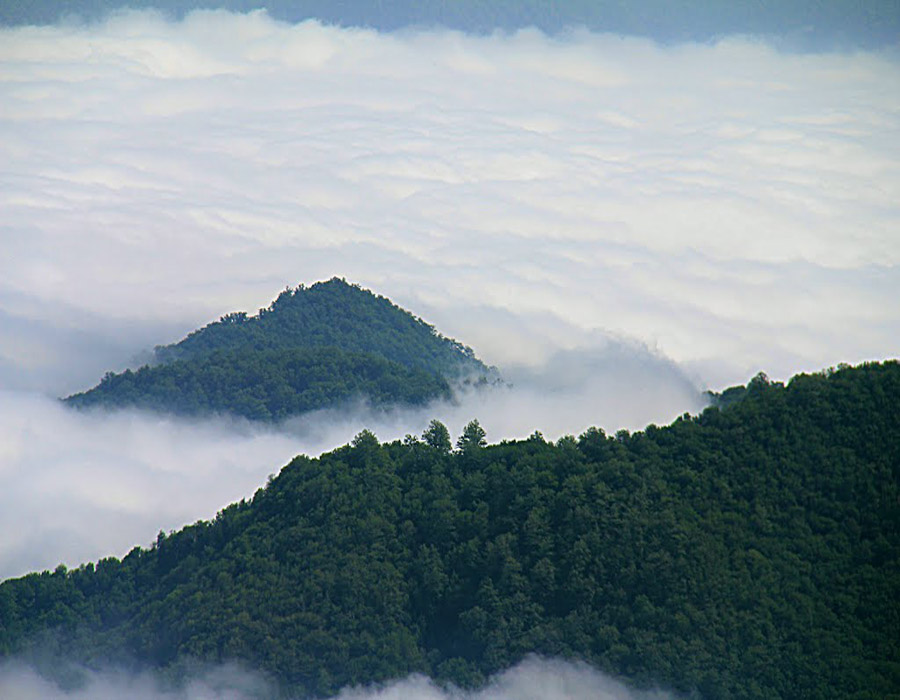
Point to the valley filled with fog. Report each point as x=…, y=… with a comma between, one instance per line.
x=618, y=225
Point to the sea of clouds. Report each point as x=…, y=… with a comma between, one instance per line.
x=732, y=206
x=616, y=224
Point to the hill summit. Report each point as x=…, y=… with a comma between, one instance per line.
x=311, y=348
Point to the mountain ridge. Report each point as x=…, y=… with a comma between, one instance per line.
x=313, y=347
x=751, y=551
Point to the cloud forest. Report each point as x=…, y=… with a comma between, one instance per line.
x=449, y=350
x=743, y=552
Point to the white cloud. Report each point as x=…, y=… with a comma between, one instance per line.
x=80, y=486
x=91, y=484
x=532, y=679
x=557, y=203
x=175, y=171
x=18, y=681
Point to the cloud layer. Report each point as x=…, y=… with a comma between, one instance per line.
x=733, y=206
x=77, y=487
x=613, y=222
x=532, y=679
x=94, y=484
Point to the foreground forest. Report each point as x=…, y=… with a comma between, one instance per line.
x=312, y=348
x=749, y=552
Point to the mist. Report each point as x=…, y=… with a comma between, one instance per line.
x=732, y=206
x=615, y=223
x=532, y=679
x=91, y=484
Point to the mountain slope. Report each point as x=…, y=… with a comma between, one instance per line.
x=750, y=552
x=312, y=348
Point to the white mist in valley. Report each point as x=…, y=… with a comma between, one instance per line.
x=96, y=483
x=532, y=679
x=616, y=224
x=80, y=486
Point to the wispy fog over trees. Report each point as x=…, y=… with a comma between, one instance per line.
x=752, y=551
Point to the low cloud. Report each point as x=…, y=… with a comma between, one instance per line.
x=19, y=681
x=95, y=483
x=532, y=679
x=58, y=350
x=615, y=223
x=89, y=485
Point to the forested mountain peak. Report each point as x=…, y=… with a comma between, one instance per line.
x=338, y=314
x=312, y=347
x=752, y=551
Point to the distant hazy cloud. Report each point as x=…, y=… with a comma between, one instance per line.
x=532, y=679
x=59, y=349
x=732, y=206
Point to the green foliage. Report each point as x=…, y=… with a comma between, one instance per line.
x=437, y=436
x=266, y=384
x=750, y=552
x=473, y=437
x=333, y=314
x=312, y=348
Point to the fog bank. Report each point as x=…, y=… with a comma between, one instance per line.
x=532, y=679
x=613, y=222
x=733, y=206
x=91, y=484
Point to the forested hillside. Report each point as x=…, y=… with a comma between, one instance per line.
x=313, y=347
x=749, y=552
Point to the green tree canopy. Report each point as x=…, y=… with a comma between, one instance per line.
x=437, y=436
x=312, y=348
x=473, y=437
x=752, y=551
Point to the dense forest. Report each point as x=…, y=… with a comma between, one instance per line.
x=752, y=551
x=313, y=347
